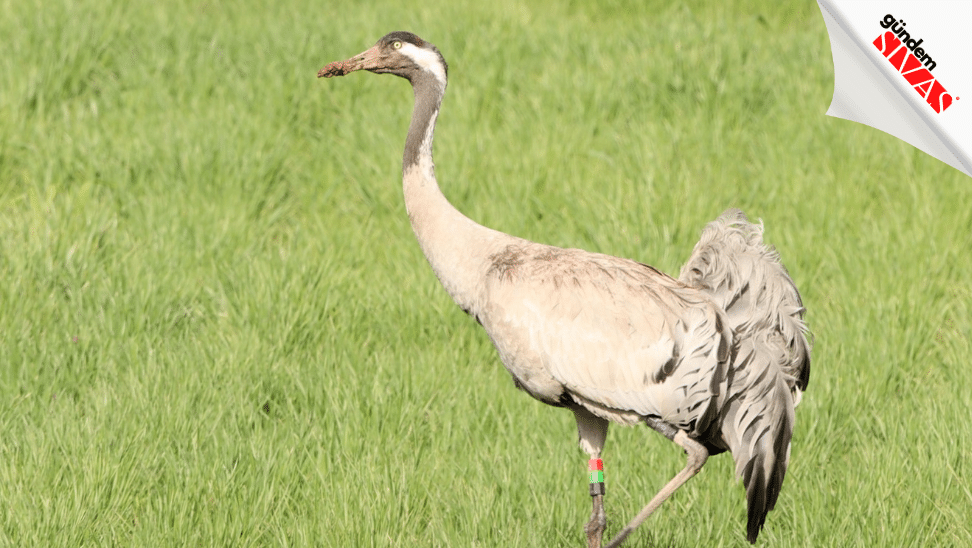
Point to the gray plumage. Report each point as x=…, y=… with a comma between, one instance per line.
x=771, y=363
x=715, y=361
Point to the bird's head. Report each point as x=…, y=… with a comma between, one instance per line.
x=400, y=53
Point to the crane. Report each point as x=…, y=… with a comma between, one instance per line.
x=714, y=361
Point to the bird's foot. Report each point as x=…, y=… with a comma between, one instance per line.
x=598, y=523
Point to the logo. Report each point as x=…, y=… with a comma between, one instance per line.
x=912, y=62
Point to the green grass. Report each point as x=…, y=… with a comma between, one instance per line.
x=216, y=328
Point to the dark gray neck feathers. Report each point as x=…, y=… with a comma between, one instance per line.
x=428, y=96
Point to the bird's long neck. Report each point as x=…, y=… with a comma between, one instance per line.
x=457, y=248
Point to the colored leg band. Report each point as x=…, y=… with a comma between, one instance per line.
x=596, y=468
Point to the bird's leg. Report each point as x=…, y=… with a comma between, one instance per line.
x=697, y=455
x=595, y=527
x=592, y=431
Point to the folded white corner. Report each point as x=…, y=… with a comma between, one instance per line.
x=904, y=100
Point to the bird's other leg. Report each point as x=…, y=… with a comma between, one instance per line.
x=592, y=431
x=697, y=455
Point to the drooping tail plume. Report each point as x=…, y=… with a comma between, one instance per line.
x=771, y=366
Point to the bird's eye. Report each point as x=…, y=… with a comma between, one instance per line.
x=397, y=45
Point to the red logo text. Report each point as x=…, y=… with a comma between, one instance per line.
x=901, y=56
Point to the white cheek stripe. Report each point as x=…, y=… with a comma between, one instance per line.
x=427, y=59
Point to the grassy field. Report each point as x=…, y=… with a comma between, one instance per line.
x=216, y=328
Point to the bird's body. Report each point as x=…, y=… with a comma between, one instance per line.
x=605, y=333
x=714, y=361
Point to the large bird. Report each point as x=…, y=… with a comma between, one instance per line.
x=714, y=361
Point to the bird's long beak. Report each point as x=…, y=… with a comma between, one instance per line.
x=366, y=60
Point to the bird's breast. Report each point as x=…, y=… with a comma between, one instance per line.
x=518, y=349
